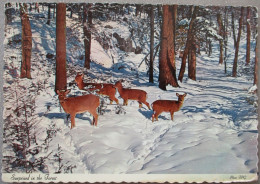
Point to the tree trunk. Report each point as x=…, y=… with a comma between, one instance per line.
x=248, y=36
x=61, y=77
x=233, y=28
x=26, y=45
x=138, y=9
x=167, y=69
x=256, y=65
x=220, y=32
x=49, y=14
x=188, y=42
x=192, y=61
x=87, y=23
x=54, y=10
x=234, y=72
x=151, y=44
x=225, y=36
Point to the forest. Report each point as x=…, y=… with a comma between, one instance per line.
x=83, y=84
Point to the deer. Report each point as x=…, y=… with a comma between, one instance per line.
x=102, y=89
x=79, y=104
x=171, y=106
x=132, y=94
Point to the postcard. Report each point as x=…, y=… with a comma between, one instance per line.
x=129, y=92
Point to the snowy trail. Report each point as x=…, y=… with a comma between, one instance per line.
x=199, y=142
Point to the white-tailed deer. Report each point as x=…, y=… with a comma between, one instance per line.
x=171, y=106
x=103, y=89
x=132, y=94
x=79, y=104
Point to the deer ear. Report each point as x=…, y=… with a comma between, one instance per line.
x=177, y=94
x=58, y=92
x=184, y=94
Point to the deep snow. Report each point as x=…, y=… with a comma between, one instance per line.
x=215, y=132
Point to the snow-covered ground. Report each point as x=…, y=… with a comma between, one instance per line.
x=215, y=132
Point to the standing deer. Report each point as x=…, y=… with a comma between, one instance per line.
x=103, y=89
x=79, y=104
x=132, y=94
x=171, y=106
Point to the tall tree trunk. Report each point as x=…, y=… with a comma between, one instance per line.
x=26, y=44
x=192, y=61
x=188, y=42
x=54, y=10
x=151, y=44
x=234, y=72
x=87, y=23
x=175, y=11
x=49, y=14
x=248, y=36
x=225, y=37
x=61, y=76
x=220, y=32
x=167, y=69
x=233, y=27
x=37, y=7
x=137, y=9
x=256, y=65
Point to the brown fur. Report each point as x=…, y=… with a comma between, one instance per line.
x=79, y=104
x=171, y=106
x=103, y=89
x=132, y=94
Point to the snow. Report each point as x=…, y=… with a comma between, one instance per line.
x=215, y=132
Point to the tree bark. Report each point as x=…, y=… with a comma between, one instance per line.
x=138, y=9
x=167, y=69
x=87, y=23
x=256, y=65
x=61, y=77
x=221, y=33
x=26, y=44
x=248, y=36
x=192, y=61
x=233, y=27
x=225, y=36
x=151, y=44
x=234, y=72
x=188, y=42
x=49, y=14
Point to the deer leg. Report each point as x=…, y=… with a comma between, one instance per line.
x=126, y=102
x=140, y=104
x=116, y=100
x=156, y=114
x=72, y=118
x=172, y=113
x=147, y=104
x=113, y=98
x=152, y=117
x=95, y=118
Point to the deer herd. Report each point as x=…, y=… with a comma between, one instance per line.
x=90, y=103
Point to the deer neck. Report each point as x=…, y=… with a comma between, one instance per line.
x=63, y=103
x=120, y=89
x=81, y=84
x=180, y=103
